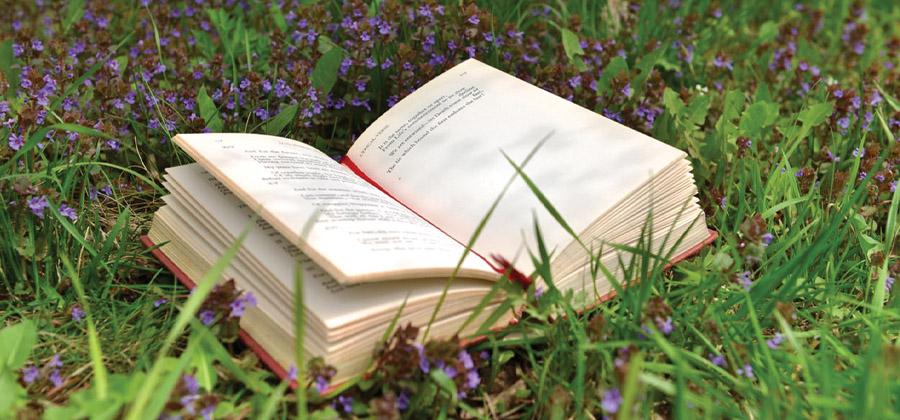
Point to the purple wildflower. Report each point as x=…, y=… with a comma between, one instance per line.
x=402, y=401
x=190, y=382
x=292, y=373
x=346, y=403
x=38, y=205
x=207, y=412
x=775, y=341
x=767, y=238
x=888, y=284
x=67, y=211
x=538, y=292
x=627, y=89
x=474, y=19
x=77, y=313
x=745, y=281
x=159, y=302
x=56, y=379
x=30, y=374
x=844, y=122
x=747, y=371
x=262, y=113
x=665, y=325
x=207, y=317
x=611, y=401
x=240, y=304
x=717, y=359
x=55, y=362
x=321, y=384
x=16, y=141
x=472, y=379
x=423, y=361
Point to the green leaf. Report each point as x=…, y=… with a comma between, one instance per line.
x=17, y=342
x=326, y=44
x=758, y=116
x=615, y=67
x=278, y=18
x=208, y=111
x=571, y=44
x=276, y=124
x=6, y=61
x=673, y=102
x=202, y=362
x=325, y=74
x=816, y=114
x=698, y=108
x=73, y=13
x=11, y=393
x=444, y=382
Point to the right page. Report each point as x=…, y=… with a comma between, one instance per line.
x=438, y=152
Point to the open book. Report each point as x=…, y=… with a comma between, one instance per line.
x=389, y=223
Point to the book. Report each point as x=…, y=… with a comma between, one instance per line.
x=385, y=228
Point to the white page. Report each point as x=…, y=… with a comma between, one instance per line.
x=359, y=233
x=439, y=152
x=333, y=304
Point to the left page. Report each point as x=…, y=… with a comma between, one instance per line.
x=350, y=228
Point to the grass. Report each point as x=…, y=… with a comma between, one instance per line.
x=795, y=174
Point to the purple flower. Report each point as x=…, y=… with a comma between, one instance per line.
x=474, y=19
x=321, y=384
x=292, y=373
x=345, y=402
x=37, y=45
x=16, y=141
x=888, y=283
x=240, y=304
x=67, y=211
x=767, y=238
x=775, y=341
x=77, y=313
x=361, y=85
x=721, y=62
x=55, y=362
x=745, y=281
x=423, y=361
x=190, y=382
x=665, y=325
x=838, y=93
x=856, y=102
x=159, y=302
x=627, y=89
x=262, y=113
x=282, y=89
x=844, y=122
x=717, y=359
x=747, y=371
x=538, y=292
x=207, y=317
x=472, y=379
x=860, y=153
x=611, y=401
x=575, y=81
x=403, y=401
x=30, y=374
x=56, y=379
x=207, y=412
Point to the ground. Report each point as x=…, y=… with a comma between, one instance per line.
x=789, y=113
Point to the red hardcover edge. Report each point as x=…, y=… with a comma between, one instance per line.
x=182, y=277
x=279, y=371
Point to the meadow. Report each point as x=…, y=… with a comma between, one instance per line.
x=790, y=113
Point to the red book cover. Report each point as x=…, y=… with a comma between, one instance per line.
x=280, y=371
